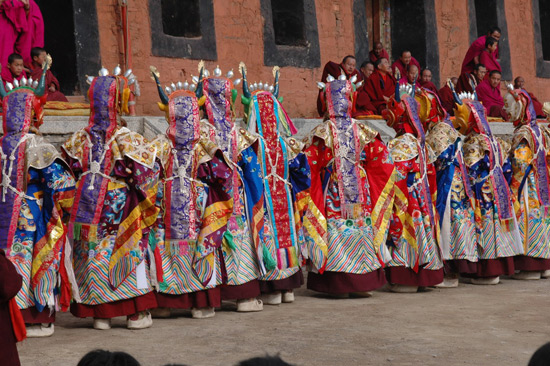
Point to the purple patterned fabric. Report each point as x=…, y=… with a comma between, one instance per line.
x=339, y=104
x=101, y=125
x=218, y=105
x=183, y=131
x=17, y=118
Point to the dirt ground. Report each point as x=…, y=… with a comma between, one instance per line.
x=469, y=325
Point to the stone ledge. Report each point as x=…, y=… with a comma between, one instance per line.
x=58, y=128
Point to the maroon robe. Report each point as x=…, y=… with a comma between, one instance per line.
x=7, y=76
x=429, y=85
x=373, y=58
x=447, y=99
x=363, y=105
x=463, y=84
x=335, y=70
x=402, y=67
x=36, y=73
x=537, y=105
x=491, y=99
x=33, y=35
x=10, y=284
x=13, y=21
x=475, y=50
x=489, y=61
x=377, y=89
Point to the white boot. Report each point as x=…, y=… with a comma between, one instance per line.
x=249, y=305
x=102, y=324
x=403, y=289
x=545, y=274
x=448, y=282
x=143, y=321
x=288, y=296
x=161, y=313
x=274, y=298
x=527, y=275
x=40, y=330
x=486, y=281
x=202, y=313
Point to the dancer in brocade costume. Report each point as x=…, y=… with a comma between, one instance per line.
x=455, y=196
x=195, y=206
x=486, y=157
x=37, y=191
x=416, y=258
x=352, y=179
x=113, y=210
x=530, y=185
x=287, y=216
x=236, y=256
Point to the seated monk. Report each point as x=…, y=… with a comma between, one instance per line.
x=38, y=55
x=519, y=83
x=488, y=57
x=381, y=85
x=426, y=81
x=411, y=77
x=403, y=62
x=367, y=68
x=14, y=70
x=363, y=105
x=488, y=92
x=378, y=52
x=347, y=67
x=472, y=56
x=469, y=81
x=446, y=96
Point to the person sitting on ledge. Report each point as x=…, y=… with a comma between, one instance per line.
x=426, y=81
x=378, y=52
x=381, y=85
x=403, y=62
x=446, y=96
x=38, y=56
x=367, y=68
x=346, y=67
x=519, y=83
x=14, y=69
x=488, y=92
x=469, y=81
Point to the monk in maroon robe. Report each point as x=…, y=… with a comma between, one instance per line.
x=403, y=62
x=10, y=284
x=14, y=69
x=378, y=52
x=13, y=21
x=347, y=67
x=488, y=92
x=469, y=81
x=411, y=77
x=381, y=85
x=446, y=96
x=472, y=56
x=426, y=81
x=487, y=56
x=519, y=83
x=38, y=58
x=366, y=69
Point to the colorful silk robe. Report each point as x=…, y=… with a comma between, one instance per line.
x=530, y=184
x=292, y=229
x=194, y=200
x=352, y=178
x=239, y=249
x=114, y=203
x=37, y=191
x=455, y=196
x=414, y=228
x=488, y=164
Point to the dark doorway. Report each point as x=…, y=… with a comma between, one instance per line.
x=59, y=42
x=544, y=15
x=408, y=29
x=486, y=15
x=181, y=18
x=288, y=22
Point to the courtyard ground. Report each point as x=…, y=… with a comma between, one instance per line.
x=470, y=325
